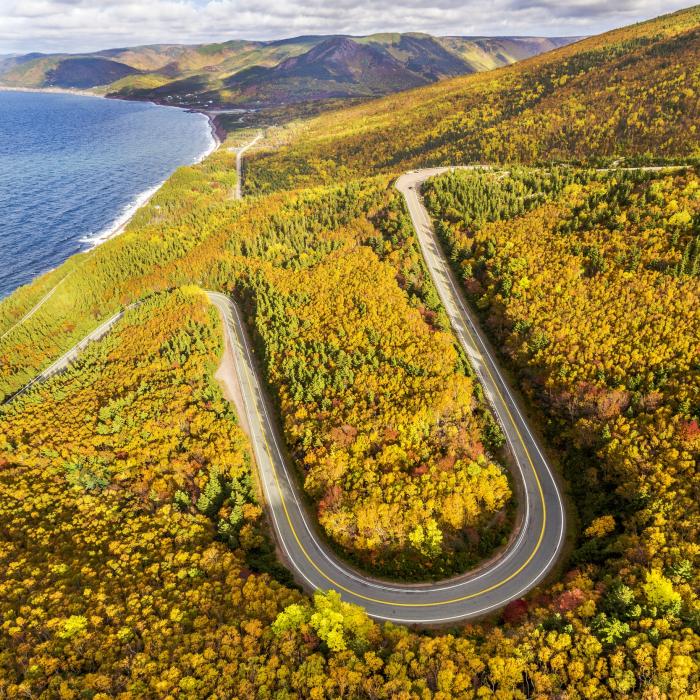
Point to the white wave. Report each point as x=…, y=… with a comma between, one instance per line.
x=120, y=223
x=214, y=141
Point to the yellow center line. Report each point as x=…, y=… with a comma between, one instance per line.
x=388, y=602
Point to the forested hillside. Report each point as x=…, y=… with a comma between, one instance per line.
x=134, y=557
x=116, y=478
x=632, y=93
x=379, y=408
x=590, y=282
x=130, y=422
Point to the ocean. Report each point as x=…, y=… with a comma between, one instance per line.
x=73, y=169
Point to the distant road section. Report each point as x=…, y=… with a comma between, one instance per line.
x=239, y=170
x=71, y=356
x=36, y=307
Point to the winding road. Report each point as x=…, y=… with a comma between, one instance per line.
x=524, y=562
x=63, y=362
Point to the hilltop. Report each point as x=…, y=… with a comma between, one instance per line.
x=263, y=73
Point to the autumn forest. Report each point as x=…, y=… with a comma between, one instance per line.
x=137, y=558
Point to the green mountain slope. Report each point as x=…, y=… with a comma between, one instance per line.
x=487, y=53
x=337, y=67
x=87, y=72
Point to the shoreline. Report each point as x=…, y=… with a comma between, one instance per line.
x=52, y=90
x=218, y=132
x=122, y=221
x=124, y=217
x=127, y=214
x=117, y=227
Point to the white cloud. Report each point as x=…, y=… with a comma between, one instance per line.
x=86, y=25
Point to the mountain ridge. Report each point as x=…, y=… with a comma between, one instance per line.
x=221, y=74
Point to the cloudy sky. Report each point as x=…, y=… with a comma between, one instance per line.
x=86, y=25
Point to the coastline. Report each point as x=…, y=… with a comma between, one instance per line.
x=52, y=90
x=122, y=221
x=124, y=218
x=119, y=224
x=218, y=132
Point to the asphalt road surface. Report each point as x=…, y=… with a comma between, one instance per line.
x=239, y=170
x=530, y=555
x=69, y=357
x=523, y=563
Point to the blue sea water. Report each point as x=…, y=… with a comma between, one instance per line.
x=73, y=168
